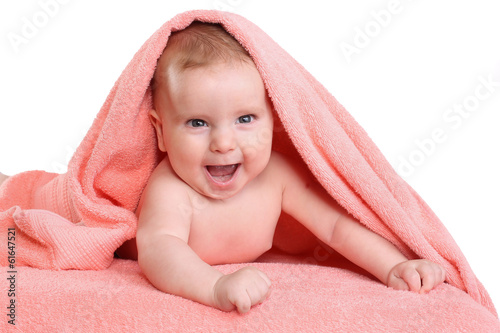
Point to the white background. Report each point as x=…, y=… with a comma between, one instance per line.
x=412, y=68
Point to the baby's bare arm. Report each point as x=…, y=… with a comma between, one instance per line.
x=173, y=267
x=310, y=204
x=163, y=253
x=382, y=259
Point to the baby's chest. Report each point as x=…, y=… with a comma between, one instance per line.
x=236, y=232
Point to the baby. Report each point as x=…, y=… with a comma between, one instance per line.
x=217, y=196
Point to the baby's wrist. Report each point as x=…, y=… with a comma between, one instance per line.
x=392, y=271
x=215, y=295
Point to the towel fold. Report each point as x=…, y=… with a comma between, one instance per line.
x=78, y=219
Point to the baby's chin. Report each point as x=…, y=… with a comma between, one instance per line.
x=211, y=191
x=216, y=194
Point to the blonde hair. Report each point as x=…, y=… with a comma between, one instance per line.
x=200, y=44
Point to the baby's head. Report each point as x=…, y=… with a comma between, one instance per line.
x=211, y=112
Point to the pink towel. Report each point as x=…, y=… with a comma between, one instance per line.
x=77, y=220
x=304, y=298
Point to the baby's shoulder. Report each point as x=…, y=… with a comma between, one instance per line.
x=164, y=183
x=163, y=173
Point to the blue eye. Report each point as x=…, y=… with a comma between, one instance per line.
x=197, y=123
x=245, y=119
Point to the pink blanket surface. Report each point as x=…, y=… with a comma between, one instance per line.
x=78, y=219
x=305, y=298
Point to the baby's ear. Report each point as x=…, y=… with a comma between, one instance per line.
x=157, y=122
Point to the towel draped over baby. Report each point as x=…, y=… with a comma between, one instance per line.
x=77, y=220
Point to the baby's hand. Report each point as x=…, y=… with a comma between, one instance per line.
x=416, y=275
x=241, y=289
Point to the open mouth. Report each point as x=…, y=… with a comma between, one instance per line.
x=222, y=173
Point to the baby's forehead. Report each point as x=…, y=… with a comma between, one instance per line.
x=237, y=86
x=170, y=71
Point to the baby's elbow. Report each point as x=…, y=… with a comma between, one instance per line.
x=144, y=260
x=142, y=249
x=148, y=245
x=336, y=237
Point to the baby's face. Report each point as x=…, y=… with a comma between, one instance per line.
x=216, y=125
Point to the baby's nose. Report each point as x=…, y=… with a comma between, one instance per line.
x=222, y=141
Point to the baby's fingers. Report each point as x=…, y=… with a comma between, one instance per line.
x=416, y=275
x=397, y=283
x=431, y=275
x=242, y=302
x=412, y=279
x=253, y=294
x=254, y=288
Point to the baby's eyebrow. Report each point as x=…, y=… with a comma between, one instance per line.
x=182, y=116
x=250, y=110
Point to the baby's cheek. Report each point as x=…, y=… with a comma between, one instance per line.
x=255, y=144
